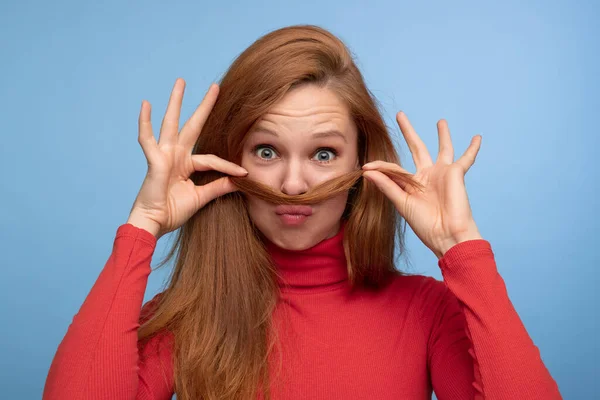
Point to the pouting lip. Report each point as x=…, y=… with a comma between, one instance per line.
x=285, y=209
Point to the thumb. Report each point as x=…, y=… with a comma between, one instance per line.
x=389, y=188
x=210, y=191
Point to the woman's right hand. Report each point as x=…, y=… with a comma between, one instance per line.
x=168, y=197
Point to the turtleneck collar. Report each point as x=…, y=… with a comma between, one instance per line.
x=319, y=268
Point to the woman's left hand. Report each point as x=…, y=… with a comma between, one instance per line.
x=440, y=215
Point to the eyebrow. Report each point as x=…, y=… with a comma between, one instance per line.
x=328, y=133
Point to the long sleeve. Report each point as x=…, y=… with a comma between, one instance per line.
x=99, y=357
x=478, y=347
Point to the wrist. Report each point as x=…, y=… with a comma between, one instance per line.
x=144, y=223
x=460, y=238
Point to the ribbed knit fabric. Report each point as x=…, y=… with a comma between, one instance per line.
x=461, y=338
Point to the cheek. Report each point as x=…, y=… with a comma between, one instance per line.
x=244, y=162
x=262, y=175
x=316, y=177
x=257, y=210
x=334, y=207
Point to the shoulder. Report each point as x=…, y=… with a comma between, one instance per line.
x=417, y=285
x=149, y=308
x=425, y=295
x=157, y=342
x=434, y=305
x=162, y=336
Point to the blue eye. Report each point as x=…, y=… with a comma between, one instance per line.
x=267, y=153
x=325, y=155
x=264, y=152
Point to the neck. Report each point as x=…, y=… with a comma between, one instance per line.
x=319, y=268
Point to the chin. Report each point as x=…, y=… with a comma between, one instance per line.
x=298, y=238
x=296, y=243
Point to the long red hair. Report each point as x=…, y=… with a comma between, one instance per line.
x=223, y=288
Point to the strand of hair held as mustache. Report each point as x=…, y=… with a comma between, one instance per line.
x=320, y=192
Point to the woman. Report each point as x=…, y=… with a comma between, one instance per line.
x=291, y=202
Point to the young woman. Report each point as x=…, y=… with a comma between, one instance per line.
x=292, y=205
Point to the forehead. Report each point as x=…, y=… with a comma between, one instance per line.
x=308, y=109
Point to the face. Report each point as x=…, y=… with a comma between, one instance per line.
x=305, y=139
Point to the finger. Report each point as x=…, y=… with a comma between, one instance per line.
x=468, y=159
x=383, y=164
x=210, y=191
x=392, y=191
x=193, y=126
x=145, y=136
x=446, y=151
x=417, y=148
x=170, y=123
x=206, y=162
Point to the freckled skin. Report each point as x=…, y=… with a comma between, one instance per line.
x=294, y=161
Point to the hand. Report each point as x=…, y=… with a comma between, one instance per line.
x=168, y=197
x=440, y=214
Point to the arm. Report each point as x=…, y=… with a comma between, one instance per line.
x=99, y=357
x=478, y=347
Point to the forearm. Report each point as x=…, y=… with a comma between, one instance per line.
x=99, y=351
x=508, y=361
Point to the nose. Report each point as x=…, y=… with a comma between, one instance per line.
x=294, y=180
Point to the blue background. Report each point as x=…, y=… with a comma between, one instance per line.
x=524, y=76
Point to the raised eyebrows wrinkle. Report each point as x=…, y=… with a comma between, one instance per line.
x=266, y=130
x=329, y=133
x=317, y=135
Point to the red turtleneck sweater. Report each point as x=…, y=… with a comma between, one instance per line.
x=461, y=338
